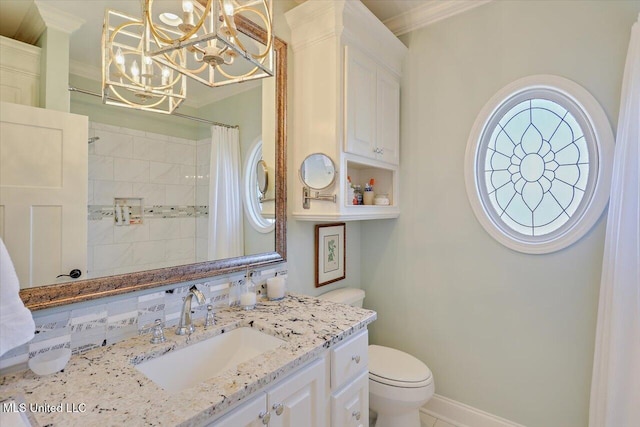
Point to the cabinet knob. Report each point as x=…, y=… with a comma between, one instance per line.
x=356, y=358
x=356, y=415
x=279, y=407
x=265, y=417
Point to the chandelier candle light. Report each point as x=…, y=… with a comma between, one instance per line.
x=216, y=52
x=130, y=78
x=145, y=61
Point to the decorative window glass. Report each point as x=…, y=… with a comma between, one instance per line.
x=539, y=163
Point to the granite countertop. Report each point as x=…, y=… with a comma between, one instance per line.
x=112, y=392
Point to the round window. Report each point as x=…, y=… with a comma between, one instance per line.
x=255, y=187
x=538, y=164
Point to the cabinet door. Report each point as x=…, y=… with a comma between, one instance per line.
x=360, y=103
x=388, y=121
x=300, y=400
x=350, y=407
x=249, y=414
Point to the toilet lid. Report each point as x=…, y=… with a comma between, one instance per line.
x=394, y=367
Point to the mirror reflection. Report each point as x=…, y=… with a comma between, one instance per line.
x=262, y=178
x=155, y=200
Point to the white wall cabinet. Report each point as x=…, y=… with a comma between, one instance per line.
x=19, y=72
x=372, y=108
x=346, y=104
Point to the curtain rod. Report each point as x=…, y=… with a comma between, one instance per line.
x=184, y=116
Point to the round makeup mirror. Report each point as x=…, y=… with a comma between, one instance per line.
x=262, y=177
x=318, y=171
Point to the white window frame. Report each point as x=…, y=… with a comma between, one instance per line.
x=577, y=100
x=251, y=203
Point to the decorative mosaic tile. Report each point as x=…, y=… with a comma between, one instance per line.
x=89, y=319
x=99, y=212
x=63, y=341
x=94, y=325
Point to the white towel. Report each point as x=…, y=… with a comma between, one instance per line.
x=16, y=323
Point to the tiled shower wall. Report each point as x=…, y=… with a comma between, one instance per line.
x=203, y=161
x=89, y=325
x=161, y=171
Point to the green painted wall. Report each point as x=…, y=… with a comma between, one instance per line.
x=508, y=333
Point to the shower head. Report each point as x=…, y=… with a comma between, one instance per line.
x=93, y=139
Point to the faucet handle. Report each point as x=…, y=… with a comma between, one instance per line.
x=210, y=319
x=158, y=333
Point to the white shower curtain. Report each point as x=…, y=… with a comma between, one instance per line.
x=615, y=386
x=226, y=237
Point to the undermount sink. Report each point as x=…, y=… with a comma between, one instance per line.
x=199, y=362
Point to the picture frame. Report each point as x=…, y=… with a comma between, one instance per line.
x=330, y=253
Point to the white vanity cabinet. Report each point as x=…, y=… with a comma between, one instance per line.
x=350, y=405
x=298, y=400
x=251, y=414
x=330, y=391
x=346, y=104
x=350, y=383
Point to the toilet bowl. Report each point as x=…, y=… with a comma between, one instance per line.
x=399, y=384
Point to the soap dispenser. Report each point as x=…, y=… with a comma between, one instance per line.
x=248, y=294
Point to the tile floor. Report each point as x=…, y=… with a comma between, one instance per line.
x=425, y=421
x=429, y=421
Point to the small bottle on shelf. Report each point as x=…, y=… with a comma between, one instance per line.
x=357, y=196
x=350, y=192
x=368, y=192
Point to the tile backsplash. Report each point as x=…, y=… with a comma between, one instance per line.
x=82, y=327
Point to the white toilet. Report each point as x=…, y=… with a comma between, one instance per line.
x=399, y=384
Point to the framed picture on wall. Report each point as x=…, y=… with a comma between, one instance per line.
x=330, y=253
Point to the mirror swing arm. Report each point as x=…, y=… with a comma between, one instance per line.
x=307, y=197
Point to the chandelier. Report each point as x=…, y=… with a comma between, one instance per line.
x=130, y=77
x=146, y=60
x=216, y=52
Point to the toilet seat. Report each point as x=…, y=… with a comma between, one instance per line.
x=396, y=368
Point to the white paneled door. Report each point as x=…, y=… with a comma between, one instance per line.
x=43, y=192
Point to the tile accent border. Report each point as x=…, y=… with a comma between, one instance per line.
x=99, y=212
x=461, y=415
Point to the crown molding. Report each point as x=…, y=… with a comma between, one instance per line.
x=432, y=11
x=85, y=70
x=58, y=19
x=31, y=27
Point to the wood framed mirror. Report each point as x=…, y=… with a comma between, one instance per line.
x=55, y=295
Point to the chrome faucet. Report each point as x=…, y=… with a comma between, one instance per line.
x=185, y=326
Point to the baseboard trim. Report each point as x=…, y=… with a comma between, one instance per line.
x=461, y=415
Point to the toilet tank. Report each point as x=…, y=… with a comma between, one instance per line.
x=350, y=296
